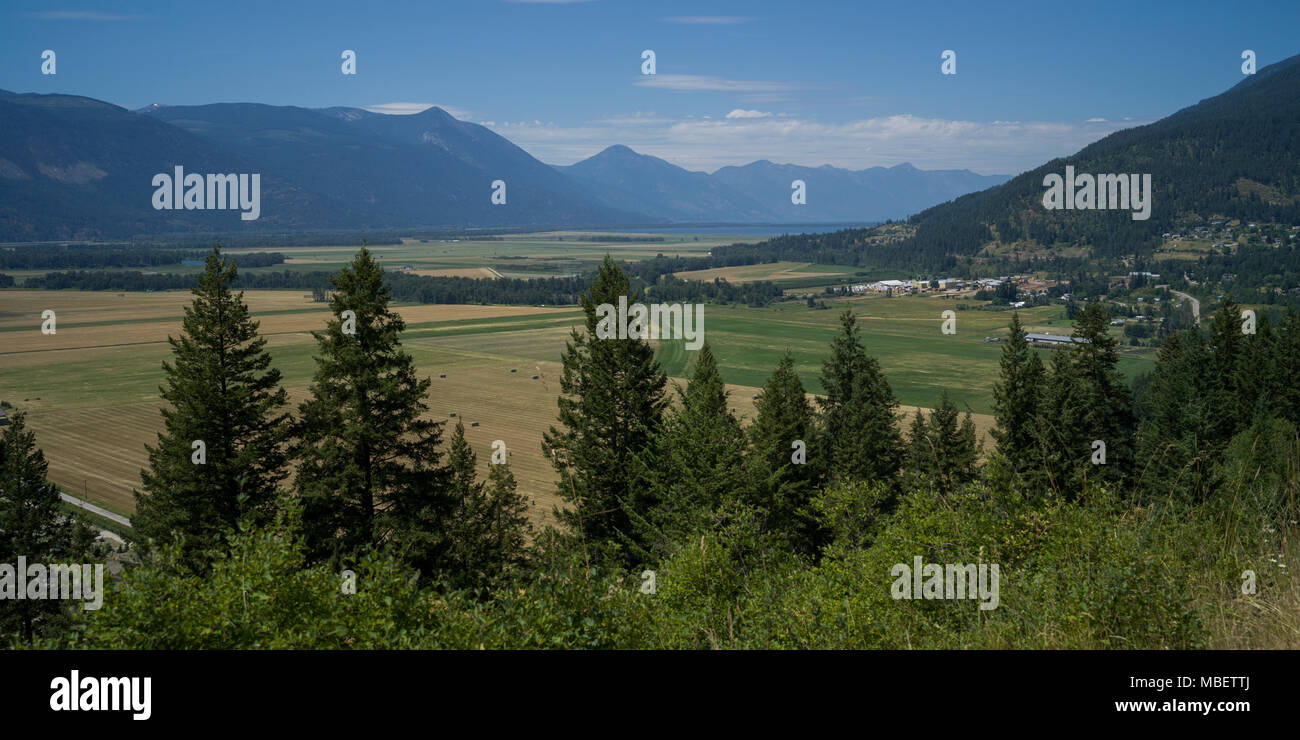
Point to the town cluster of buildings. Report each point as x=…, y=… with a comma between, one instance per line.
x=948, y=285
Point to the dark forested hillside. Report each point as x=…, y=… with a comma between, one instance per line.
x=1210, y=158
x=1235, y=155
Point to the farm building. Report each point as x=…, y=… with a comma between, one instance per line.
x=1053, y=339
x=889, y=286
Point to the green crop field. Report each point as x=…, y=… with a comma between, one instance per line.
x=92, y=388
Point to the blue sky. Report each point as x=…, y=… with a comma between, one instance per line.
x=852, y=84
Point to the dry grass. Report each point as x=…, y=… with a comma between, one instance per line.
x=467, y=272
x=1268, y=619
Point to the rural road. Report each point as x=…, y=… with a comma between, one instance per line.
x=95, y=509
x=1196, y=306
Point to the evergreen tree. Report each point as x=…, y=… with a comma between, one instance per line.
x=507, y=517
x=1016, y=396
x=955, y=444
x=1175, y=440
x=1256, y=379
x=780, y=486
x=700, y=460
x=489, y=526
x=1227, y=345
x=221, y=453
x=461, y=462
x=1106, y=405
x=920, y=457
x=1085, y=400
x=610, y=411
x=944, y=446
x=1061, y=443
x=1287, y=368
x=858, y=411
x=33, y=526
x=369, y=465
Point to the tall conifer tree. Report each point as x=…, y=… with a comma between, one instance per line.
x=780, y=485
x=489, y=524
x=369, y=462
x=858, y=411
x=700, y=460
x=610, y=411
x=1016, y=396
x=221, y=453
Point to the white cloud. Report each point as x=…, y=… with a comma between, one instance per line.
x=711, y=84
x=708, y=20
x=997, y=147
x=407, y=109
x=1096, y=120
x=742, y=113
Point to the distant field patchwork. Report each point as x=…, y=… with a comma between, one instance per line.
x=92, y=388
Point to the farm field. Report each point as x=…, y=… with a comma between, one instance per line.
x=92, y=388
x=775, y=271
x=518, y=255
x=543, y=254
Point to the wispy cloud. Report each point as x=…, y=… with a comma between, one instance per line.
x=742, y=113
x=711, y=84
x=85, y=15
x=708, y=20
x=700, y=143
x=549, y=2
x=406, y=109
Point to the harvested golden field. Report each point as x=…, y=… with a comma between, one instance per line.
x=98, y=451
x=467, y=272
x=22, y=308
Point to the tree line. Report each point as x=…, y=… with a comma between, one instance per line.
x=72, y=258
x=405, y=287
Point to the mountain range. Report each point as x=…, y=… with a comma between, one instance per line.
x=77, y=168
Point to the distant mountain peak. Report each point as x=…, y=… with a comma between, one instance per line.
x=436, y=113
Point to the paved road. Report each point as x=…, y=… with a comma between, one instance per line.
x=96, y=510
x=1196, y=306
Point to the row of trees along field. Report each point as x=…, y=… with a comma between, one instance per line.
x=683, y=529
x=426, y=289
x=72, y=257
